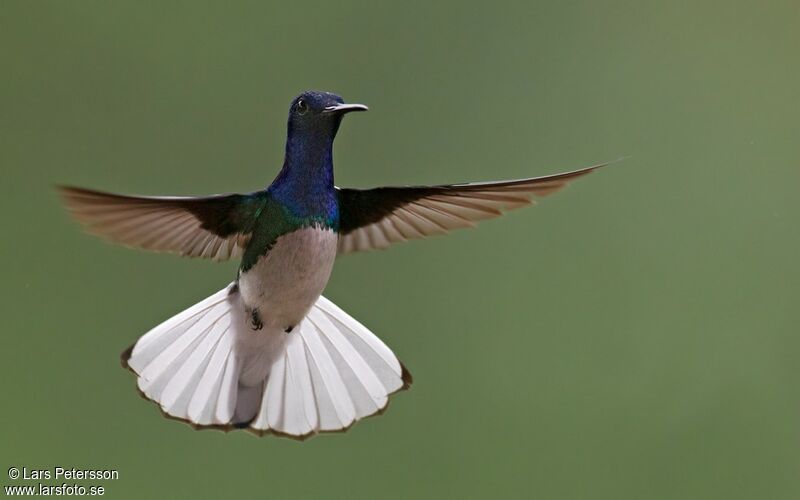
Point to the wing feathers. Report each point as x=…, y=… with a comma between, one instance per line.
x=417, y=212
x=214, y=227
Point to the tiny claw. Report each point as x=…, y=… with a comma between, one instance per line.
x=255, y=320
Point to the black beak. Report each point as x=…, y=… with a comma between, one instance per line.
x=345, y=108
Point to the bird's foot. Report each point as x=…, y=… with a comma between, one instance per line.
x=255, y=320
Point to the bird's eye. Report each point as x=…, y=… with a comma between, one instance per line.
x=302, y=107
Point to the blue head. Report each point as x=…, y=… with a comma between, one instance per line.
x=306, y=180
x=315, y=117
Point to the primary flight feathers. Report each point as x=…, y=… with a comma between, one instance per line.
x=376, y=218
x=219, y=227
x=214, y=227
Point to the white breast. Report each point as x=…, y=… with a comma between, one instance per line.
x=284, y=284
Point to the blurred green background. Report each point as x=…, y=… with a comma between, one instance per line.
x=634, y=337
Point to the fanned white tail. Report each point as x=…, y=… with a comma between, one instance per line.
x=206, y=366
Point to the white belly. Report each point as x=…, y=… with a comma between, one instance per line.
x=284, y=284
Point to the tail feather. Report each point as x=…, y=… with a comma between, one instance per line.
x=299, y=383
x=183, y=385
x=202, y=406
x=328, y=384
x=228, y=389
x=378, y=356
x=207, y=367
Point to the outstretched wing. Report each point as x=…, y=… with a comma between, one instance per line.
x=214, y=227
x=376, y=218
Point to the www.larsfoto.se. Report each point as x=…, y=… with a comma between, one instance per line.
x=53, y=490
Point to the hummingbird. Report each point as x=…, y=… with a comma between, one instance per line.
x=268, y=353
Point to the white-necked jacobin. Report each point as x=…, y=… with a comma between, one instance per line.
x=269, y=353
